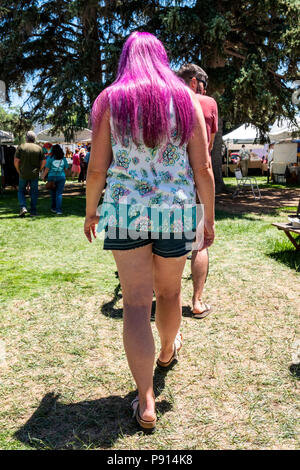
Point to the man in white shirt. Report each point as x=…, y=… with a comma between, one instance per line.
x=244, y=160
x=270, y=159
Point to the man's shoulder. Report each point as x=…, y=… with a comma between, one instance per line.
x=207, y=102
x=31, y=146
x=206, y=99
x=21, y=147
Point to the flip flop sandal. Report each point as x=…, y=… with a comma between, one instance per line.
x=146, y=426
x=174, y=358
x=203, y=314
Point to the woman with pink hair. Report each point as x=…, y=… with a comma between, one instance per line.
x=150, y=150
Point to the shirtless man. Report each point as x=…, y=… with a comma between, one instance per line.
x=196, y=79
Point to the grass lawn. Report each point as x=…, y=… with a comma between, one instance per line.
x=64, y=379
x=230, y=182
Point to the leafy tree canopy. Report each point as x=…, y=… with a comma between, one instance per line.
x=16, y=122
x=70, y=49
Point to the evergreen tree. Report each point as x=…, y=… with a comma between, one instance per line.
x=249, y=49
x=70, y=50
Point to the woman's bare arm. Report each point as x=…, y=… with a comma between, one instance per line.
x=100, y=159
x=203, y=175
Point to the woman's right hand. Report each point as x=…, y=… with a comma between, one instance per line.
x=209, y=233
x=90, y=226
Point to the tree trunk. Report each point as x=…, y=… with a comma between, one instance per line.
x=217, y=158
x=91, y=47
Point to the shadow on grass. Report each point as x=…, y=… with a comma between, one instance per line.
x=109, y=309
x=290, y=258
x=295, y=370
x=223, y=214
x=82, y=425
x=187, y=311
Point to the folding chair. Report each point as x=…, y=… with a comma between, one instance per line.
x=245, y=182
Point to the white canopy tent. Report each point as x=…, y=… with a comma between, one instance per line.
x=243, y=134
x=85, y=135
x=284, y=130
x=6, y=136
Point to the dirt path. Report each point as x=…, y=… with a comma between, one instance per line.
x=271, y=200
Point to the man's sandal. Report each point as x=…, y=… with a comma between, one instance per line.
x=177, y=346
x=203, y=314
x=146, y=426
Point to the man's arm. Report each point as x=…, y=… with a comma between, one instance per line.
x=42, y=164
x=17, y=161
x=45, y=173
x=211, y=144
x=42, y=160
x=214, y=127
x=17, y=164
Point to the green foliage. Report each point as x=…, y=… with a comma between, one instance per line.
x=70, y=50
x=17, y=122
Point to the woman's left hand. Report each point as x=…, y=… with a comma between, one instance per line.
x=90, y=226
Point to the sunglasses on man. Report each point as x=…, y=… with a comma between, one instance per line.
x=200, y=81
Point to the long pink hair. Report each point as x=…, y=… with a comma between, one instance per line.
x=141, y=94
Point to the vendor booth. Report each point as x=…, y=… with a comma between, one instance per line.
x=81, y=139
x=85, y=135
x=6, y=137
x=286, y=162
x=285, y=166
x=243, y=135
x=9, y=175
x=284, y=129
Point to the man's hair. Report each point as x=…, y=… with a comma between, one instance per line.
x=30, y=136
x=188, y=71
x=243, y=145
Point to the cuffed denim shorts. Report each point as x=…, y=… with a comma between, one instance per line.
x=171, y=247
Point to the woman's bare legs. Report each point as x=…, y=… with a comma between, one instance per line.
x=135, y=273
x=199, y=267
x=167, y=273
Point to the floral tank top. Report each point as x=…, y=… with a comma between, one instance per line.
x=141, y=180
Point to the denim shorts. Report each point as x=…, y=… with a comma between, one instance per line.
x=171, y=247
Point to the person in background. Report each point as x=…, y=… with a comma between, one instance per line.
x=83, y=166
x=69, y=153
x=76, y=164
x=47, y=150
x=196, y=79
x=69, y=158
x=244, y=155
x=148, y=129
x=29, y=160
x=56, y=168
x=87, y=155
x=269, y=161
